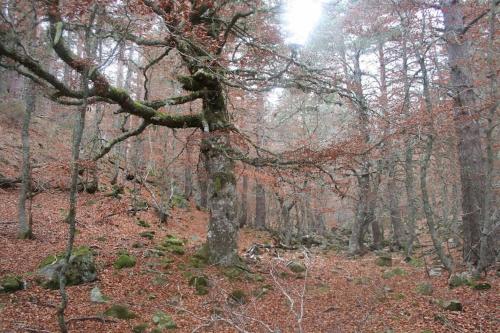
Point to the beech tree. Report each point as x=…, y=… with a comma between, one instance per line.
x=204, y=34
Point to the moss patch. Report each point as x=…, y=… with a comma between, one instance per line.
x=425, y=289
x=141, y=328
x=163, y=321
x=119, y=311
x=384, y=261
x=200, y=283
x=147, y=234
x=124, y=261
x=142, y=223
x=172, y=244
x=394, y=272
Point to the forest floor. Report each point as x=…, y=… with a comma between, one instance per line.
x=335, y=294
x=338, y=294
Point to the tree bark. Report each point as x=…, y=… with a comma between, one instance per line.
x=489, y=234
x=366, y=197
x=260, y=206
x=24, y=215
x=222, y=229
x=243, y=218
x=467, y=127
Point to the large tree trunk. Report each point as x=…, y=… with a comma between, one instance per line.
x=467, y=127
x=222, y=229
x=488, y=248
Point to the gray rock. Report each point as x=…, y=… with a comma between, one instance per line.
x=81, y=269
x=435, y=271
x=96, y=296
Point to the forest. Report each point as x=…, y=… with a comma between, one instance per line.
x=249, y=166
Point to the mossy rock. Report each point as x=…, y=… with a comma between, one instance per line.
x=384, y=261
x=452, y=305
x=163, y=321
x=124, y=261
x=296, y=267
x=50, y=260
x=200, y=283
x=481, y=286
x=425, y=289
x=238, y=296
x=11, y=283
x=460, y=279
x=201, y=257
x=81, y=268
x=394, y=272
x=141, y=328
x=147, y=234
x=119, y=311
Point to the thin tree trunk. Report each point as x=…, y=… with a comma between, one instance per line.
x=24, y=216
x=243, y=218
x=203, y=181
x=188, y=174
x=365, y=193
x=71, y=219
x=429, y=214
